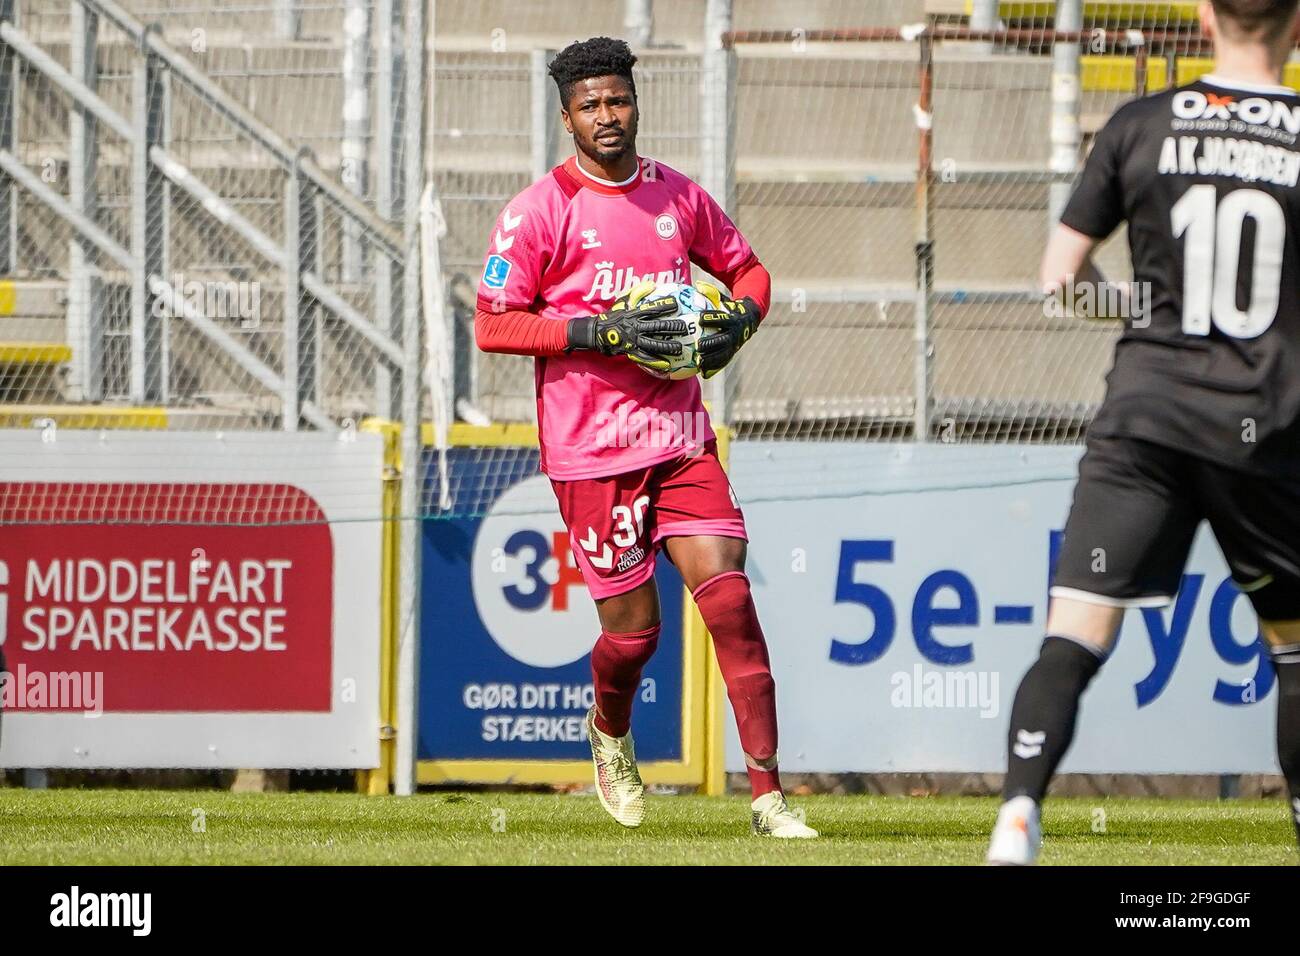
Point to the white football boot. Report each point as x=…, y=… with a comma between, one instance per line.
x=1018, y=835
x=618, y=784
x=771, y=816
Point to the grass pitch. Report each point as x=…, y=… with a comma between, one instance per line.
x=212, y=827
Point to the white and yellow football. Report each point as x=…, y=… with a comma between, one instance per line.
x=690, y=303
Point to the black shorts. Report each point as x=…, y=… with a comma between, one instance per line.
x=1136, y=509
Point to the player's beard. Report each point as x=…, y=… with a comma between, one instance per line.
x=607, y=155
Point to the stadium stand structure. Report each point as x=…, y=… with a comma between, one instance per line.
x=249, y=180
x=824, y=173
x=824, y=167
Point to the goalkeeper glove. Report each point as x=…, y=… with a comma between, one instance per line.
x=633, y=327
x=735, y=323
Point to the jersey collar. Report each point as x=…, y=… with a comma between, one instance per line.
x=602, y=187
x=1247, y=87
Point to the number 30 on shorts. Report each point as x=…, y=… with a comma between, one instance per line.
x=629, y=523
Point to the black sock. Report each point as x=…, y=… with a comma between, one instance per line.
x=1042, y=717
x=1286, y=661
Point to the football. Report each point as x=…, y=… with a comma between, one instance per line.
x=690, y=303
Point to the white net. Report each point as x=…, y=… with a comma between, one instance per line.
x=833, y=197
x=276, y=287
x=825, y=178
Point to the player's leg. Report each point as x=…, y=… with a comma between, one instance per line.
x=1079, y=637
x=1256, y=521
x=611, y=547
x=703, y=530
x=1283, y=639
x=713, y=568
x=629, y=635
x=1126, y=541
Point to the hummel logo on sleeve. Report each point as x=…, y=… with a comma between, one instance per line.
x=508, y=224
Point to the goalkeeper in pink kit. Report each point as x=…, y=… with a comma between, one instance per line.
x=570, y=269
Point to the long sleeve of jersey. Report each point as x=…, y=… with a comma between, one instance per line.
x=517, y=332
x=752, y=280
x=719, y=248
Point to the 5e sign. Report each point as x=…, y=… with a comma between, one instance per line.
x=925, y=615
x=948, y=598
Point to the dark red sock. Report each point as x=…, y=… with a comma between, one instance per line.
x=616, y=663
x=728, y=610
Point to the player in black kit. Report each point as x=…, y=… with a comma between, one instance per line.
x=1202, y=412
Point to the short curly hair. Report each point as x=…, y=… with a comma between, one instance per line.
x=599, y=56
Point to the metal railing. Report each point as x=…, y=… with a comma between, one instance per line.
x=157, y=64
x=391, y=336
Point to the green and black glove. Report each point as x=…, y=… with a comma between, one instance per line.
x=634, y=327
x=732, y=324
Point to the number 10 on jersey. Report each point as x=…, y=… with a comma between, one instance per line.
x=1212, y=259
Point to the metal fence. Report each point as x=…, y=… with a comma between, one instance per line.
x=807, y=124
x=211, y=263
x=215, y=274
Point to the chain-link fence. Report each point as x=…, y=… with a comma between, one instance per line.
x=826, y=130
x=282, y=288
x=827, y=133
x=823, y=175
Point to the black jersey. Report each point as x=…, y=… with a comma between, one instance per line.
x=1206, y=176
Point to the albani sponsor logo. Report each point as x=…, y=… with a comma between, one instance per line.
x=1253, y=110
x=610, y=281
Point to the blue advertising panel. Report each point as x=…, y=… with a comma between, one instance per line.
x=903, y=593
x=507, y=626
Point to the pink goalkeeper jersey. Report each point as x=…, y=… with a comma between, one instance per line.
x=568, y=246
